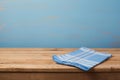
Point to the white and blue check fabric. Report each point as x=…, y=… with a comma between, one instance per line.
x=83, y=58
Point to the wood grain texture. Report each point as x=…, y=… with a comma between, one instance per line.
x=60, y=76
x=40, y=60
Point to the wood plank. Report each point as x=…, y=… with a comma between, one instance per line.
x=55, y=68
x=37, y=60
x=60, y=76
x=20, y=57
x=55, y=49
x=34, y=51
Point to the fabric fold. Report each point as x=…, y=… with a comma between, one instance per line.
x=83, y=58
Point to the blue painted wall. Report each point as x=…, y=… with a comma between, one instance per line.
x=59, y=23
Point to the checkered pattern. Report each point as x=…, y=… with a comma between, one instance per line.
x=83, y=58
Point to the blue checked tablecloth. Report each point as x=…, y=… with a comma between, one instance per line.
x=83, y=58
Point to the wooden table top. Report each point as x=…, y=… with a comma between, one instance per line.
x=40, y=60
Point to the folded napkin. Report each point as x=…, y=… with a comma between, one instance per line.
x=83, y=58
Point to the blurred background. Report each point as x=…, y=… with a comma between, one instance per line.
x=60, y=23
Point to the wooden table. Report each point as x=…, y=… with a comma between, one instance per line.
x=37, y=64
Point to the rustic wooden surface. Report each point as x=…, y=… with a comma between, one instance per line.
x=60, y=76
x=40, y=60
x=37, y=64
